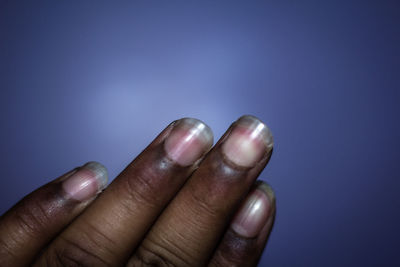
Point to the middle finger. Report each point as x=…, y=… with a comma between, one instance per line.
x=188, y=230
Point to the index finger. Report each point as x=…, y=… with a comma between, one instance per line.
x=116, y=222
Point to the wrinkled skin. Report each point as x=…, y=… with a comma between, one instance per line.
x=181, y=202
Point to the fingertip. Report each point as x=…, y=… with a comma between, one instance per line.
x=255, y=211
x=87, y=182
x=245, y=240
x=248, y=142
x=188, y=141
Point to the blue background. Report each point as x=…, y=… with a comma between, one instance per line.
x=98, y=80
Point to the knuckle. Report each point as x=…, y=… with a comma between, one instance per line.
x=99, y=238
x=150, y=174
x=143, y=185
x=34, y=213
x=158, y=255
x=28, y=219
x=6, y=253
x=71, y=254
x=214, y=189
x=148, y=258
x=141, y=188
x=207, y=202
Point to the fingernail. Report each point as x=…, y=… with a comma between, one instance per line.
x=86, y=182
x=249, y=140
x=254, y=212
x=188, y=141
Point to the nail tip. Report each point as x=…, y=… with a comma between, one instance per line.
x=250, y=118
x=267, y=189
x=100, y=170
x=264, y=130
x=203, y=129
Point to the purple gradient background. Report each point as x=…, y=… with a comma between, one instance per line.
x=89, y=81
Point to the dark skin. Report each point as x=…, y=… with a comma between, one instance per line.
x=181, y=202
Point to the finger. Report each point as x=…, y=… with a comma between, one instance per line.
x=27, y=227
x=188, y=230
x=244, y=241
x=108, y=232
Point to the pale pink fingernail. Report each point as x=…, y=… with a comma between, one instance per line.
x=249, y=140
x=188, y=141
x=254, y=212
x=86, y=182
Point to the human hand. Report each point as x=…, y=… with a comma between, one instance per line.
x=179, y=203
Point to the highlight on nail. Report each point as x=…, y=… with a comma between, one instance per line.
x=249, y=140
x=188, y=141
x=254, y=211
x=86, y=182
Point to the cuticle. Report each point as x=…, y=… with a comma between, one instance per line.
x=164, y=155
x=233, y=165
